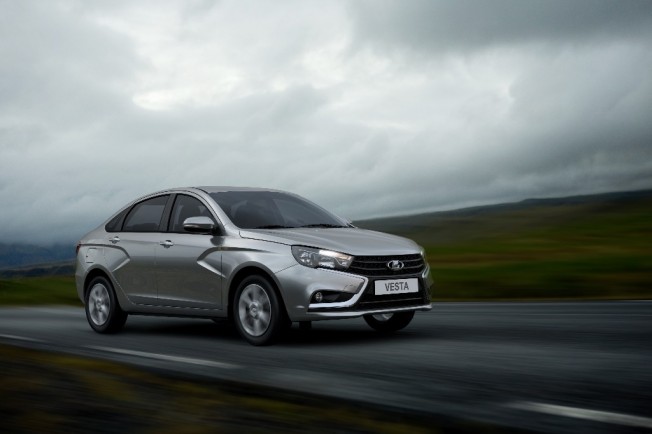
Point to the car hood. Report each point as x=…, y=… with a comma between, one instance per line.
x=353, y=241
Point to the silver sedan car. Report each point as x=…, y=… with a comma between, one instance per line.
x=261, y=258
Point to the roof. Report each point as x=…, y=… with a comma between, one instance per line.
x=217, y=189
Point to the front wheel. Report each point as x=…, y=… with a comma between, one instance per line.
x=102, y=309
x=257, y=311
x=389, y=322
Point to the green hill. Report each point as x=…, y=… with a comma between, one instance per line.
x=596, y=246
x=64, y=268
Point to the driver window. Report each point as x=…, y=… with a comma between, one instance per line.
x=186, y=207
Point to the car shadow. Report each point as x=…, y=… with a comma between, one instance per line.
x=323, y=333
x=196, y=328
x=327, y=335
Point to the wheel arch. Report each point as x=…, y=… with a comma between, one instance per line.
x=121, y=298
x=96, y=272
x=252, y=270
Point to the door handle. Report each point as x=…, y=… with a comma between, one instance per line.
x=166, y=243
x=115, y=239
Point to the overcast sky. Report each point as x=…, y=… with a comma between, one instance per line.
x=368, y=108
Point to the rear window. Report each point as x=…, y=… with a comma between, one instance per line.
x=146, y=215
x=116, y=222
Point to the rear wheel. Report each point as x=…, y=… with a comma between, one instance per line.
x=102, y=309
x=257, y=311
x=389, y=322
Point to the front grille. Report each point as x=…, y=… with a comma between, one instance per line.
x=372, y=266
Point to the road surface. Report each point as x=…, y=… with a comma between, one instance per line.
x=548, y=367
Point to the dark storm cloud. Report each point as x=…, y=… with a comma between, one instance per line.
x=368, y=108
x=576, y=92
x=452, y=26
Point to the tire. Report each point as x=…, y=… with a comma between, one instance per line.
x=389, y=322
x=102, y=309
x=257, y=311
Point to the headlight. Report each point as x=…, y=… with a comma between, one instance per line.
x=314, y=258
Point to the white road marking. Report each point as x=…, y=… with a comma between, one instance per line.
x=582, y=413
x=20, y=338
x=166, y=357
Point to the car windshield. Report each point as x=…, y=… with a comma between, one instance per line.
x=273, y=210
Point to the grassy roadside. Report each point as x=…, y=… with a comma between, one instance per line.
x=61, y=393
x=39, y=290
x=580, y=253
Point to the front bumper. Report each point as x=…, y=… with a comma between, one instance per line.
x=299, y=283
x=316, y=316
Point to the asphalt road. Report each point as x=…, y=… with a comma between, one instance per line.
x=549, y=367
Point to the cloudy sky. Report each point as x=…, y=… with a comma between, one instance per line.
x=369, y=108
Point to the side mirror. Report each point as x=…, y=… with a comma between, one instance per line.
x=199, y=225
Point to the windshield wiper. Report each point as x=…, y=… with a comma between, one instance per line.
x=274, y=227
x=322, y=225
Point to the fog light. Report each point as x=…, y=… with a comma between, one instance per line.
x=318, y=297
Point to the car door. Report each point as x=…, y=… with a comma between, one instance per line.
x=133, y=250
x=189, y=265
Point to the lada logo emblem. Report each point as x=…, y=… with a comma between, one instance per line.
x=395, y=265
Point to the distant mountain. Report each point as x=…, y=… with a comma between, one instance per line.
x=22, y=255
